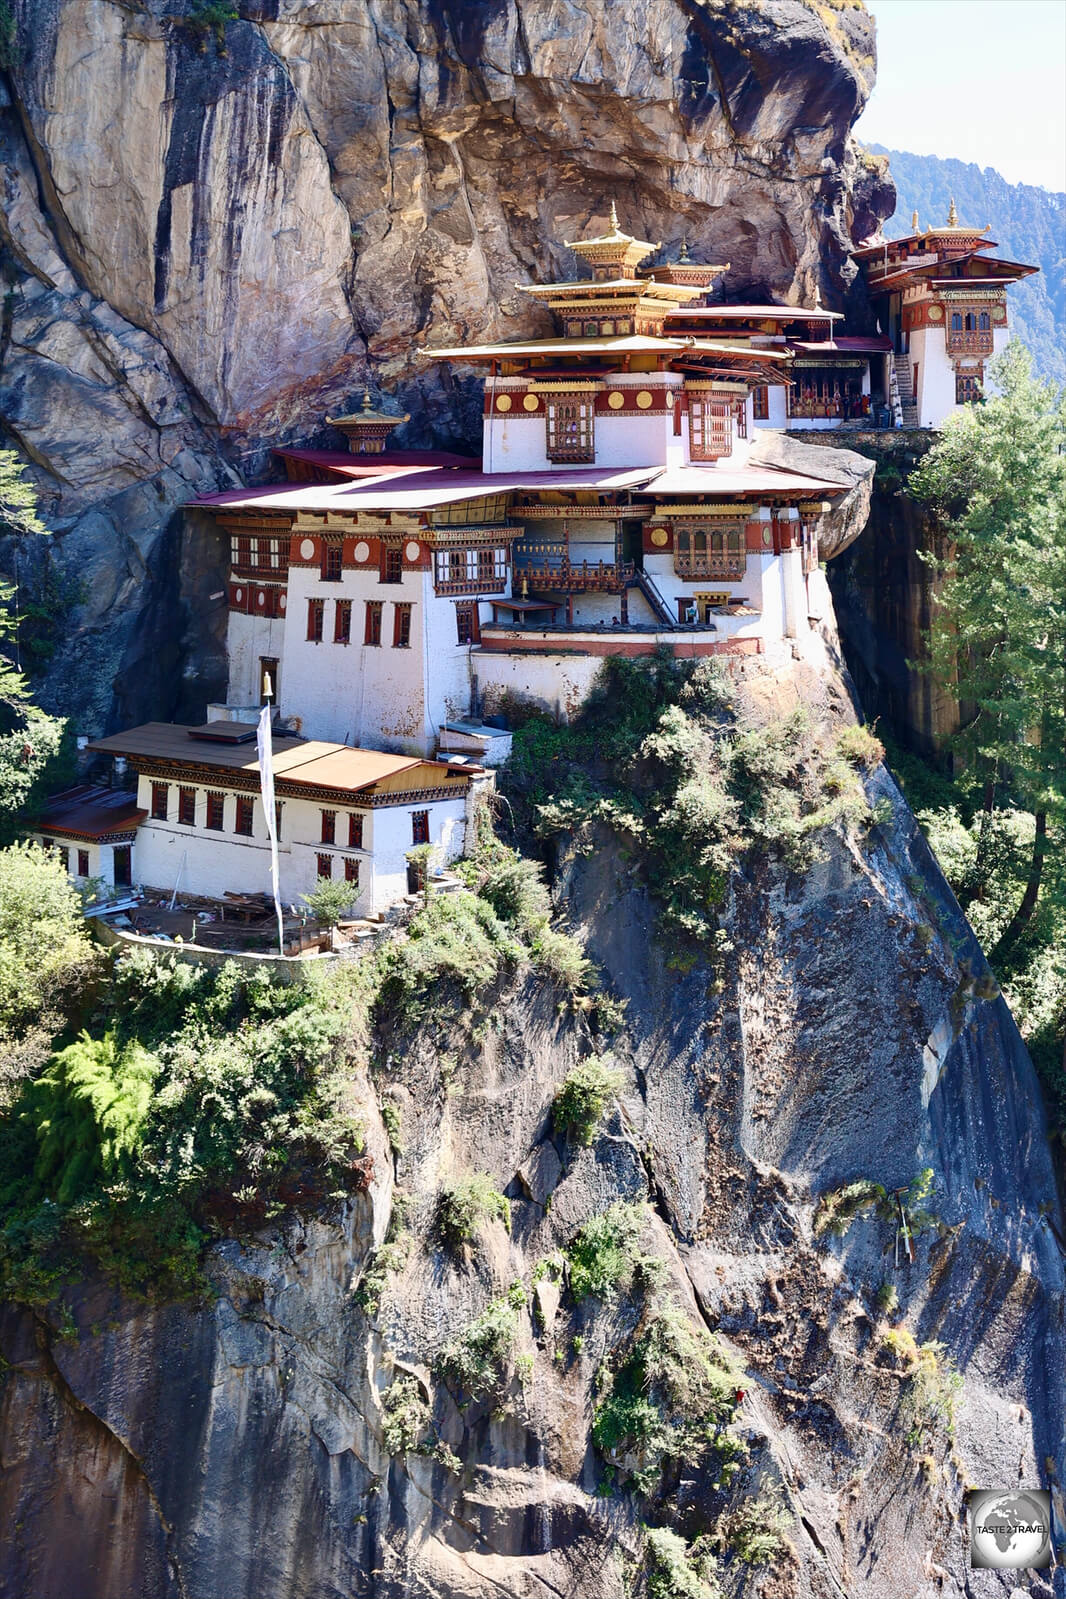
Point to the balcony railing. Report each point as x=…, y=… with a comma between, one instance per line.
x=576, y=577
x=493, y=583
x=732, y=566
x=973, y=341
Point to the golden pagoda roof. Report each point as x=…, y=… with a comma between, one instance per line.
x=368, y=416
x=641, y=288
x=614, y=244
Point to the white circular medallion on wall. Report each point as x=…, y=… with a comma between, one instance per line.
x=934, y=313
x=362, y=551
x=616, y=400
x=767, y=536
x=503, y=402
x=644, y=399
x=307, y=549
x=261, y=598
x=281, y=602
x=238, y=596
x=411, y=551
x=531, y=402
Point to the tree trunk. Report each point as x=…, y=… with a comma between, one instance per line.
x=1023, y=915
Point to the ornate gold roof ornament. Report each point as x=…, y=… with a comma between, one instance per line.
x=366, y=429
x=683, y=254
x=915, y=225
x=953, y=215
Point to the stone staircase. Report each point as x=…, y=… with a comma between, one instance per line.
x=904, y=406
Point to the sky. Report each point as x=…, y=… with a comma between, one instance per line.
x=981, y=80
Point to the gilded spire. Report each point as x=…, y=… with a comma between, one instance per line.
x=953, y=215
x=614, y=217
x=915, y=225
x=683, y=257
x=366, y=399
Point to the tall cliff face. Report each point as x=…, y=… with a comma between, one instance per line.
x=850, y=1033
x=213, y=234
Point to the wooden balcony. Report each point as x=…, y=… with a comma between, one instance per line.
x=495, y=584
x=575, y=577
x=728, y=566
x=976, y=341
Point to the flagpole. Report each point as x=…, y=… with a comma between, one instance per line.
x=265, y=747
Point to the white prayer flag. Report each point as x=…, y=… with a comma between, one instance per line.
x=264, y=745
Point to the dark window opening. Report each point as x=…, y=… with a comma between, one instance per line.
x=331, y=563
x=245, y=811
x=123, y=858
x=760, y=404
x=316, y=610
x=372, y=628
x=464, y=624
x=342, y=622
x=187, y=807
x=325, y=865
x=401, y=627
x=391, y=564
x=329, y=828
x=160, y=799
x=268, y=678
x=83, y=863
x=216, y=811
x=355, y=832
x=351, y=871
x=420, y=827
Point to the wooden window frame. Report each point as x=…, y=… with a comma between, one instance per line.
x=332, y=568
x=244, y=816
x=342, y=622
x=351, y=870
x=316, y=620
x=401, y=625
x=328, y=827
x=466, y=622
x=760, y=403
x=83, y=863
x=160, y=802
x=570, y=426
x=187, y=807
x=355, y=831
x=216, y=811
x=391, y=563
x=324, y=865
x=710, y=428
x=710, y=551
x=372, y=623
x=419, y=827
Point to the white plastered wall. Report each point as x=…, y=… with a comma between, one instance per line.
x=936, y=376
x=210, y=863
x=247, y=639
x=101, y=856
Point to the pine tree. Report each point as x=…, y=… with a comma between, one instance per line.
x=997, y=479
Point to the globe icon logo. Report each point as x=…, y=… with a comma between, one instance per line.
x=1010, y=1530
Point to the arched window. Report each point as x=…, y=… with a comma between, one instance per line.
x=971, y=322
x=984, y=322
x=956, y=321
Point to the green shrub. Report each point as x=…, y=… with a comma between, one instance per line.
x=406, y=1412
x=671, y=1397
x=478, y=1360
x=48, y=968
x=456, y=943
x=676, y=1570
x=888, y=1298
x=583, y=1098
x=755, y=1531
x=932, y=1397
x=561, y=958
x=330, y=899
x=89, y=1110
x=861, y=747
x=837, y=1210
x=604, y=1255
x=465, y=1204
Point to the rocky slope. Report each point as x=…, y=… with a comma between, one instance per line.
x=853, y=1033
x=214, y=234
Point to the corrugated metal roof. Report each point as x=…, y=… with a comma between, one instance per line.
x=442, y=486
x=89, y=811
x=326, y=765
x=742, y=480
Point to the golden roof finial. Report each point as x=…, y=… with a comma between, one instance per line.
x=953, y=215
x=366, y=399
x=614, y=217
x=915, y=226
x=684, y=250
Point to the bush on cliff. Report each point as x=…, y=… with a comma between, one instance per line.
x=211, y=1101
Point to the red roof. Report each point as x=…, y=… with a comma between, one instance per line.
x=90, y=811
x=868, y=344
